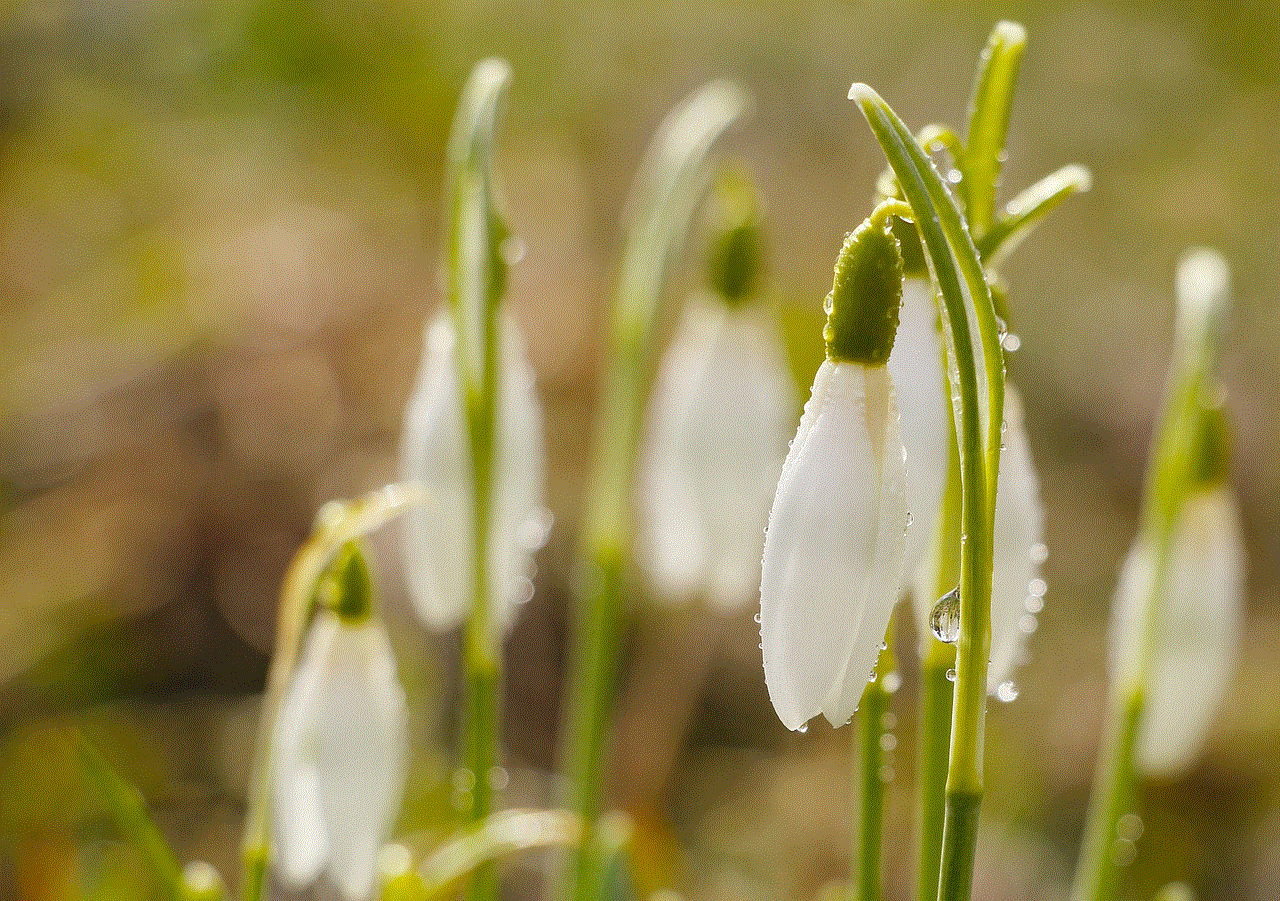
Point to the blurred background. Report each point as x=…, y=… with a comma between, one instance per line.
x=219, y=243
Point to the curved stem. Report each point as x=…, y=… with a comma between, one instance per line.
x=871, y=759
x=936, y=691
x=978, y=385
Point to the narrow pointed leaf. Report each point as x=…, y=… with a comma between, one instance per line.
x=989, y=110
x=130, y=813
x=1025, y=211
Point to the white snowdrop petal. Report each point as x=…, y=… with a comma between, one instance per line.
x=301, y=841
x=715, y=440
x=885, y=581
x=437, y=536
x=821, y=546
x=1199, y=634
x=671, y=541
x=361, y=744
x=1019, y=526
x=438, y=539
x=920, y=382
x=338, y=757
x=519, y=480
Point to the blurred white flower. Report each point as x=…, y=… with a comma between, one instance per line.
x=715, y=439
x=338, y=752
x=1196, y=635
x=833, y=554
x=1018, y=551
x=437, y=550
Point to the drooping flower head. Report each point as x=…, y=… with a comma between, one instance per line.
x=1179, y=604
x=438, y=532
x=833, y=554
x=716, y=430
x=339, y=742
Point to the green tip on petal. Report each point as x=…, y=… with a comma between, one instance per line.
x=862, y=308
x=345, y=588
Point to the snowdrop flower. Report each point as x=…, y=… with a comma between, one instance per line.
x=339, y=744
x=1197, y=633
x=435, y=453
x=833, y=554
x=716, y=431
x=916, y=367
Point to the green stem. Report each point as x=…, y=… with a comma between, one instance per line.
x=937, y=694
x=870, y=754
x=979, y=373
x=1112, y=794
x=668, y=187
x=598, y=638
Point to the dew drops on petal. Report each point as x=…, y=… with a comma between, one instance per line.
x=1034, y=604
x=1037, y=587
x=1039, y=552
x=891, y=683
x=951, y=675
x=888, y=741
x=802, y=728
x=1027, y=623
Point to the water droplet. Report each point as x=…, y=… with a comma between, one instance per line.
x=1027, y=623
x=1039, y=553
x=1033, y=604
x=886, y=773
x=523, y=591
x=888, y=741
x=872, y=677
x=1037, y=587
x=1007, y=691
x=910, y=520
x=888, y=720
x=951, y=675
x=804, y=727
x=891, y=682
x=827, y=303
x=463, y=780
x=944, y=619
x=954, y=176
x=757, y=618
x=884, y=645
x=1002, y=156
x=499, y=778
x=760, y=646
x=1010, y=342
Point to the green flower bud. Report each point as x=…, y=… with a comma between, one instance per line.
x=862, y=308
x=1211, y=452
x=345, y=587
x=736, y=254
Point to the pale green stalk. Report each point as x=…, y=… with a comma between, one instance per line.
x=978, y=384
x=871, y=762
x=937, y=691
x=669, y=184
x=476, y=279
x=1170, y=472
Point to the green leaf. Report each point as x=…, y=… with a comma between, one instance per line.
x=1025, y=211
x=130, y=813
x=502, y=834
x=989, y=110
